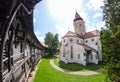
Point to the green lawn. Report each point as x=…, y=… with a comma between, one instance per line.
x=77, y=67
x=46, y=73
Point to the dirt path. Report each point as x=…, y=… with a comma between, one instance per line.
x=73, y=72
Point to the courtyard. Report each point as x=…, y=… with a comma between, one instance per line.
x=47, y=73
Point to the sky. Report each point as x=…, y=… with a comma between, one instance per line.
x=56, y=16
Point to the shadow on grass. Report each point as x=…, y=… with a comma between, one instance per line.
x=78, y=67
x=50, y=57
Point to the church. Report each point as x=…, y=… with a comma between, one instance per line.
x=80, y=46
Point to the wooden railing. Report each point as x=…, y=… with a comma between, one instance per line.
x=17, y=67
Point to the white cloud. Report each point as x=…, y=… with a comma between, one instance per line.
x=92, y=26
x=61, y=30
x=64, y=9
x=100, y=24
x=37, y=32
x=40, y=38
x=95, y=4
x=96, y=15
x=34, y=20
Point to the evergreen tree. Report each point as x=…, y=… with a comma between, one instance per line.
x=110, y=39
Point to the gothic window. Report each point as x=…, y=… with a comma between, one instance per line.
x=78, y=56
x=64, y=40
x=92, y=39
x=71, y=40
x=75, y=24
x=71, y=51
x=96, y=43
x=81, y=42
x=64, y=52
x=80, y=24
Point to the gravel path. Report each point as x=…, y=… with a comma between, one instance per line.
x=73, y=72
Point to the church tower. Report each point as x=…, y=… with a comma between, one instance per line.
x=79, y=25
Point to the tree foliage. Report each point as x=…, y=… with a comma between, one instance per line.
x=52, y=41
x=110, y=39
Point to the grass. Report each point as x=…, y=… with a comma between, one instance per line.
x=46, y=73
x=77, y=67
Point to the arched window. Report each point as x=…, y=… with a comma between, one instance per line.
x=77, y=41
x=71, y=51
x=78, y=56
x=96, y=43
x=71, y=40
x=92, y=39
x=64, y=40
x=64, y=52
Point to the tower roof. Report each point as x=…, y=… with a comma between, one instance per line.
x=77, y=17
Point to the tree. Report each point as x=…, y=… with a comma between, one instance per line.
x=52, y=41
x=110, y=39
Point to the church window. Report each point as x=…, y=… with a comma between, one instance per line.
x=86, y=41
x=78, y=56
x=64, y=40
x=75, y=24
x=64, y=52
x=96, y=43
x=71, y=51
x=81, y=42
x=71, y=40
x=92, y=39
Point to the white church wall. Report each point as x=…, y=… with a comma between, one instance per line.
x=94, y=59
x=79, y=50
x=93, y=42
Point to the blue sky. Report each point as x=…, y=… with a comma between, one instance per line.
x=57, y=16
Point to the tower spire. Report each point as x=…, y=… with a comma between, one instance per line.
x=77, y=17
x=78, y=23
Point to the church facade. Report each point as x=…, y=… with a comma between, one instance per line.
x=80, y=46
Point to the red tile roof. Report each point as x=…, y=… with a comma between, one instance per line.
x=70, y=34
x=87, y=35
x=92, y=34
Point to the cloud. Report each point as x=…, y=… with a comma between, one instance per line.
x=34, y=20
x=92, y=26
x=96, y=15
x=61, y=30
x=40, y=38
x=95, y=4
x=37, y=32
x=64, y=9
x=100, y=24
